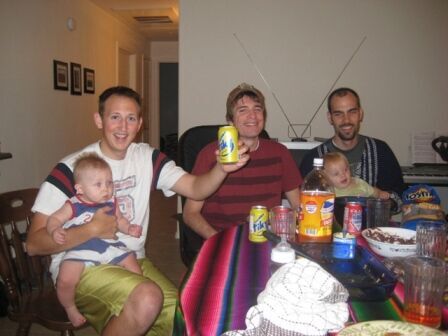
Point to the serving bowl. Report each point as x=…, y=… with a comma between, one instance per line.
x=396, y=247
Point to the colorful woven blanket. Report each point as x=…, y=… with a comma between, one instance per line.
x=226, y=278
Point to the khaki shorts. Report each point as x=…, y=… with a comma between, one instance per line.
x=103, y=290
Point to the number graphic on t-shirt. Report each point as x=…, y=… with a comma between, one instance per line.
x=126, y=206
x=126, y=201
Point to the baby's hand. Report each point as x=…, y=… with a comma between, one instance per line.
x=135, y=230
x=384, y=195
x=59, y=236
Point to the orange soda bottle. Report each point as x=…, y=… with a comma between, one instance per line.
x=316, y=206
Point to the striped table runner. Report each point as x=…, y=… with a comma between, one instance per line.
x=229, y=273
x=224, y=282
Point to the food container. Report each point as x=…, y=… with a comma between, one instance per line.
x=344, y=245
x=394, y=248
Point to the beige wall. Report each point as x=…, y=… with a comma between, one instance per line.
x=301, y=46
x=40, y=125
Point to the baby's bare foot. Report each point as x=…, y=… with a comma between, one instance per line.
x=75, y=317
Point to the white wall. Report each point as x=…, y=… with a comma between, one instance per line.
x=301, y=46
x=40, y=125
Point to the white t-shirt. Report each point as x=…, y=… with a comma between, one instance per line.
x=133, y=178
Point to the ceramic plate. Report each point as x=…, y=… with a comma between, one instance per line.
x=388, y=328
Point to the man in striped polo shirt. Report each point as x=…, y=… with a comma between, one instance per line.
x=270, y=173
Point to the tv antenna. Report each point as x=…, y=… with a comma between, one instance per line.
x=308, y=125
x=332, y=86
x=266, y=82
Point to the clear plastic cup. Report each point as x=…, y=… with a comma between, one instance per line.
x=283, y=222
x=424, y=283
x=431, y=239
x=377, y=212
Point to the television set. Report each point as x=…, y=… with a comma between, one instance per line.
x=299, y=149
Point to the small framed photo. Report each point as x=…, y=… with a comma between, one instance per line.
x=75, y=74
x=89, y=80
x=60, y=75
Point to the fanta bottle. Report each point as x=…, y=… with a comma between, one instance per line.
x=316, y=206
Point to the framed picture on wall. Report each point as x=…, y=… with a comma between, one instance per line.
x=60, y=75
x=75, y=74
x=89, y=80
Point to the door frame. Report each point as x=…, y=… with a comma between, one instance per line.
x=136, y=80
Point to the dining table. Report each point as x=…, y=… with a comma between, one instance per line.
x=228, y=274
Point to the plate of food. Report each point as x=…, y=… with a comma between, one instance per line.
x=391, y=241
x=389, y=328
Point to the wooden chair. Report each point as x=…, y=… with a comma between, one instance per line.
x=30, y=290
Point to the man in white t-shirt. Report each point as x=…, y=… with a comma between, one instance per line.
x=114, y=300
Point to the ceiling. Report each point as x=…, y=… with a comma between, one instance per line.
x=157, y=19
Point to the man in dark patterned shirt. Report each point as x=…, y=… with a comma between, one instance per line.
x=370, y=159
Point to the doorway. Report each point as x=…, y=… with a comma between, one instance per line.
x=169, y=108
x=164, y=72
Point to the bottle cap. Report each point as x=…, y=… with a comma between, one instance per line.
x=282, y=255
x=318, y=161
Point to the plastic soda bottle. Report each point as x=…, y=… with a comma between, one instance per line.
x=316, y=206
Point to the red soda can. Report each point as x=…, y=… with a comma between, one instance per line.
x=353, y=218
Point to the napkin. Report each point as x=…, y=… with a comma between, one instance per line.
x=300, y=298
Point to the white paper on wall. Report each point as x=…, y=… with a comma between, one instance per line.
x=421, y=148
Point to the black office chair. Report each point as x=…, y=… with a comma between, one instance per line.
x=190, y=144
